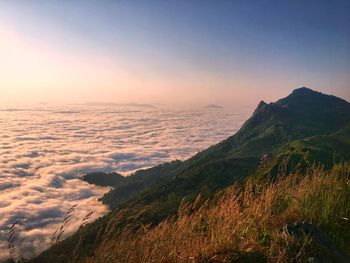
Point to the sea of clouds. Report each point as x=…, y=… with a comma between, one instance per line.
x=44, y=150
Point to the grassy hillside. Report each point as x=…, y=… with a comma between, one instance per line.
x=245, y=225
x=325, y=150
x=240, y=224
x=298, y=131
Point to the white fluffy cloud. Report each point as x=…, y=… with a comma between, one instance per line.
x=44, y=151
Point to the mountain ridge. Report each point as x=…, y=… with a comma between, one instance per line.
x=281, y=130
x=268, y=130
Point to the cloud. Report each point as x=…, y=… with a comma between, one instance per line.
x=44, y=151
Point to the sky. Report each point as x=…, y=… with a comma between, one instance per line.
x=172, y=52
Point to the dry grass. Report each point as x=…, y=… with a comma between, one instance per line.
x=12, y=236
x=56, y=238
x=57, y=235
x=243, y=225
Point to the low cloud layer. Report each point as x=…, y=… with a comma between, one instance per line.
x=44, y=151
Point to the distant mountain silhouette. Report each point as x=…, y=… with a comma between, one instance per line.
x=136, y=105
x=213, y=106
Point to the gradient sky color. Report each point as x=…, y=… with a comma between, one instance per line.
x=177, y=52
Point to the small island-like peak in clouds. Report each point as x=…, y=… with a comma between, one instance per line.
x=213, y=106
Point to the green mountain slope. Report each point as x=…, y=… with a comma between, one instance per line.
x=126, y=188
x=305, y=126
x=302, y=114
x=325, y=150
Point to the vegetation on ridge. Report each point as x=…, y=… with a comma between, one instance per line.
x=271, y=129
x=297, y=132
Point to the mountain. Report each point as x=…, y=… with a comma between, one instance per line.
x=213, y=106
x=112, y=104
x=305, y=127
x=271, y=129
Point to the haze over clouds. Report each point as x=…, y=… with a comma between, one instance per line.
x=43, y=151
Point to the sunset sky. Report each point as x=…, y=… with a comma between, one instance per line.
x=172, y=52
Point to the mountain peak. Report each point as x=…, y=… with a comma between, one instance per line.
x=260, y=106
x=304, y=90
x=262, y=103
x=307, y=99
